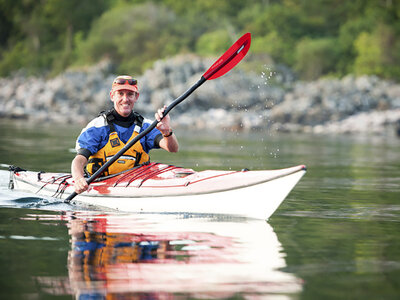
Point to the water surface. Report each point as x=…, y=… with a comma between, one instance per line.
x=336, y=236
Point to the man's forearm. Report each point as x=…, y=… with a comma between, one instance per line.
x=77, y=166
x=170, y=143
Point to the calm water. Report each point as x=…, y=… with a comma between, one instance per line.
x=336, y=236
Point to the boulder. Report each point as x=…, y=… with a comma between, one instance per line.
x=239, y=100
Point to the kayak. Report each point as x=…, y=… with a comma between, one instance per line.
x=162, y=188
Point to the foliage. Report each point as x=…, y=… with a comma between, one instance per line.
x=38, y=35
x=129, y=36
x=213, y=42
x=315, y=57
x=314, y=37
x=378, y=53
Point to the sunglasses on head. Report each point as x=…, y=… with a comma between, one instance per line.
x=130, y=81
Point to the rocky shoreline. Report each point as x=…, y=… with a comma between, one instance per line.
x=240, y=100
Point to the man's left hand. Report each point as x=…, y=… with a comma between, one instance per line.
x=164, y=124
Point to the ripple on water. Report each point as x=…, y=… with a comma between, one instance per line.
x=388, y=213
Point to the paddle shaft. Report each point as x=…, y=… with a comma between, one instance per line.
x=139, y=136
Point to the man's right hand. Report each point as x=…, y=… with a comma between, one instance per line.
x=77, y=172
x=80, y=185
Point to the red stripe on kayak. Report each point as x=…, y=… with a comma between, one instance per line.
x=193, y=182
x=153, y=174
x=135, y=172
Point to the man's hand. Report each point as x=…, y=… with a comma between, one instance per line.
x=77, y=166
x=80, y=185
x=169, y=142
x=163, y=125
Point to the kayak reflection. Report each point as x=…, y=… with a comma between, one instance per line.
x=156, y=255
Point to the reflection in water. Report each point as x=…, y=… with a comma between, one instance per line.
x=158, y=256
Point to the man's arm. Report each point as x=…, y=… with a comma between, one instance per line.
x=77, y=170
x=169, y=143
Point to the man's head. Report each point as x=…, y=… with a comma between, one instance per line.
x=124, y=93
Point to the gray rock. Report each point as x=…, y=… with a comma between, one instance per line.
x=240, y=100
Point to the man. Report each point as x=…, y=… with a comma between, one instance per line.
x=104, y=136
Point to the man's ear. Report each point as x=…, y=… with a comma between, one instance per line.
x=111, y=96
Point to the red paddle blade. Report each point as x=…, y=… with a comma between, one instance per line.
x=230, y=58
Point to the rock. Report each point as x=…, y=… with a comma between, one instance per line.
x=366, y=83
x=397, y=128
x=372, y=122
x=240, y=100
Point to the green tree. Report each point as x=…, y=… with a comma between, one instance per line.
x=378, y=53
x=348, y=33
x=132, y=36
x=42, y=32
x=278, y=27
x=315, y=57
x=66, y=18
x=51, y=35
x=213, y=43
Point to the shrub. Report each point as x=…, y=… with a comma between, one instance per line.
x=213, y=43
x=378, y=53
x=315, y=57
x=130, y=36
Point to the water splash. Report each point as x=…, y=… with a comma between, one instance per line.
x=275, y=153
x=268, y=74
x=32, y=202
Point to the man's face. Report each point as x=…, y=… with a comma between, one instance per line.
x=124, y=101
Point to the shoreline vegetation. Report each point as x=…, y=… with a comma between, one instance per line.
x=313, y=66
x=270, y=99
x=314, y=38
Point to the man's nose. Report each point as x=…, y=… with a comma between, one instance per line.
x=125, y=96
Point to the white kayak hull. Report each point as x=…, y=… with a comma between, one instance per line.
x=251, y=194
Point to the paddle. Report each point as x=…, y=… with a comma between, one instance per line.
x=223, y=65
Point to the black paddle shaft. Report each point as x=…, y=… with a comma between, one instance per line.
x=139, y=136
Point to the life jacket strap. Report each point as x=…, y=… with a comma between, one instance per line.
x=110, y=120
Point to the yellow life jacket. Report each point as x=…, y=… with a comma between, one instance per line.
x=133, y=157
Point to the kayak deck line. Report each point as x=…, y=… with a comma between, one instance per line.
x=162, y=188
x=63, y=180
x=151, y=175
x=132, y=174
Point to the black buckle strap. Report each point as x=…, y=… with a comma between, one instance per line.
x=110, y=120
x=15, y=169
